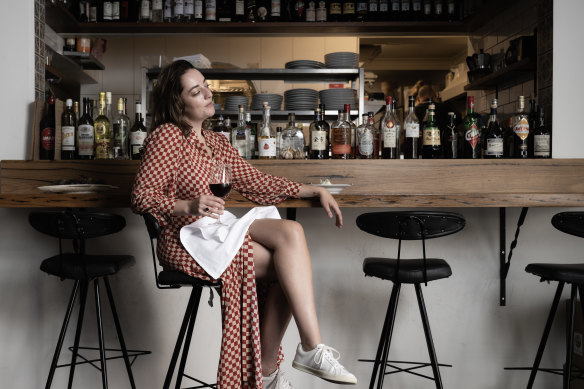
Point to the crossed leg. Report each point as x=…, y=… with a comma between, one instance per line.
x=281, y=254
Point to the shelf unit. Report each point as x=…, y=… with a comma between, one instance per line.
x=356, y=76
x=503, y=76
x=65, y=75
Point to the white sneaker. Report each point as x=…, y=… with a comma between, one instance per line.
x=323, y=362
x=276, y=380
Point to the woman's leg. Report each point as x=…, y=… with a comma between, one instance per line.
x=280, y=252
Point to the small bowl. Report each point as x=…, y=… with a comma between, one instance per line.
x=333, y=188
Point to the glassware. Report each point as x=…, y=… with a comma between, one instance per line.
x=220, y=183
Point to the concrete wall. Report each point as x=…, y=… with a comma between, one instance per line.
x=471, y=330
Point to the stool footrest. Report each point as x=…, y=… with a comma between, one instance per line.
x=203, y=384
x=417, y=365
x=579, y=373
x=131, y=354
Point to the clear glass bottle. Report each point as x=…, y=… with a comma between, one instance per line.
x=121, y=130
x=353, y=130
x=68, y=129
x=240, y=135
x=221, y=128
x=109, y=115
x=102, y=130
x=542, y=145
x=137, y=134
x=85, y=132
x=521, y=130
x=494, y=140
x=292, y=146
x=389, y=129
x=319, y=131
x=253, y=144
x=450, y=138
x=412, y=132
x=341, y=138
x=364, y=139
x=266, y=136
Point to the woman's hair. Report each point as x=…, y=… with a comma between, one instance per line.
x=167, y=103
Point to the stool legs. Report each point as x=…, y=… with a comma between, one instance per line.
x=82, y=303
x=428, y=334
x=100, y=334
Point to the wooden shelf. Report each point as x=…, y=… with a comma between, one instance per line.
x=85, y=60
x=503, y=76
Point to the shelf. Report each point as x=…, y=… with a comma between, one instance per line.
x=296, y=75
x=301, y=115
x=86, y=60
x=503, y=76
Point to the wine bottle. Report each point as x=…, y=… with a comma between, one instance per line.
x=250, y=11
x=335, y=12
x=189, y=11
x=178, y=13
x=412, y=132
x=439, y=13
x=137, y=134
x=221, y=128
x=450, y=138
x=266, y=136
x=428, y=11
x=541, y=138
x=198, y=10
x=102, y=130
x=494, y=140
x=47, y=132
x=373, y=8
x=145, y=9
x=341, y=137
x=68, y=128
x=417, y=10
x=239, y=11
x=224, y=10
x=395, y=10
x=406, y=10
x=470, y=129
x=362, y=10
x=121, y=129
x=384, y=10
x=319, y=131
x=157, y=11
x=431, y=146
x=85, y=132
x=167, y=11
x=349, y=10
x=116, y=11
x=389, y=129
x=240, y=135
x=521, y=130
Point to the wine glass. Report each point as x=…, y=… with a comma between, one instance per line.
x=220, y=184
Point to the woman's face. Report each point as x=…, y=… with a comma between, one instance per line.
x=197, y=97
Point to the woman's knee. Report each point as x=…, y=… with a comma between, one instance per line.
x=293, y=231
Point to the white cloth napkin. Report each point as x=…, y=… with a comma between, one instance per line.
x=212, y=245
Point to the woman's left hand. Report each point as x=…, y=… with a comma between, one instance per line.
x=327, y=201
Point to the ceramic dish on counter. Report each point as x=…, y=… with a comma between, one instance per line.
x=77, y=188
x=333, y=188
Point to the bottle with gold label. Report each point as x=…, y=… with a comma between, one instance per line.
x=101, y=127
x=521, y=131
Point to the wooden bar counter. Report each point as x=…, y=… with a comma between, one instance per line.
x=374, y=183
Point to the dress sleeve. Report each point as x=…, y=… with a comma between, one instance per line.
x=154, y=185
x=254, y=185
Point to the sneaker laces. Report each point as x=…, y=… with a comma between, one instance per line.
x=331, y=355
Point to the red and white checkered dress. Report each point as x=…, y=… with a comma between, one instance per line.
x=177, y=168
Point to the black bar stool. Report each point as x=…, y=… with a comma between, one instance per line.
x=168, y=279
x=410, y=225
x=83, y=269
x=571, y=223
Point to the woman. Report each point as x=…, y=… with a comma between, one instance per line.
x=172, y=184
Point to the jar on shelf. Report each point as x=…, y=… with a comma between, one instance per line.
x=292, y=146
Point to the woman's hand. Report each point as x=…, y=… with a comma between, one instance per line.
x=205, y=205
x=327, y=201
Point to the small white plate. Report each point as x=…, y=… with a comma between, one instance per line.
x=77, y=188
x=333, y=188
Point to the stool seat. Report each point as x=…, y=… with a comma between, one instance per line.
x=74, y=267
x=411, y=271
x=173, y=277
x=571, y=273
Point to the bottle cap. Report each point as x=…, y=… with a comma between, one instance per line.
x=388, y=100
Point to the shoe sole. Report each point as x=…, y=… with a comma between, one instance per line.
x=324, y=375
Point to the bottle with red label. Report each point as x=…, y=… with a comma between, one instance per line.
x=390, y=132
x=47, y=132
x=521, y=130
x=471, y=132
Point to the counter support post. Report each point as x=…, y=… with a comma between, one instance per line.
x=291, y=213
x=502, y=259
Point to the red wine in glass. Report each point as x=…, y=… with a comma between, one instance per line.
x=221, y=189
x=220, y=183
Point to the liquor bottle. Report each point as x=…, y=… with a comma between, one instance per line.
x=417, y=10
x=439, y=12
x=521, y=130
x=373, y=10
x=406, y=10
x=362, y=10
x=178, y=11
x=450, y=138
x=85, y=133
x=341, y=138
x=157, y=11
x=239, y=11
x=428, y=11
x=266, y=137
x=253, y=144
x=124, y=11
x=145, y=9
x=250, y=11
x=451, y=11
x=389, y=129
x=367, y=138
x=412, y=132
x=431, y=145
x=292, y=142
x=494, y=140
x=68, y=127
x=76, y=110
x=109, y=115
x=137, y=134
x=533, y=120
x=335, y=12
x=394, y=12
x=310, y=11
x=47, y=132
x=275, y=10
x=221, y=128
x=349, y=10
x=84, y=11
x=121, y=129
x=102, y=130
x=167, y=11
x=298, y=11
x=262, y=10
x=353, y=130
x=319, y=131
x=116, y=8
x=321, y=11
x=278, y=141
x=240, y=135
x=92, y=11
x=541, y=138
x=106, y=11
x=198, y=10
x=224, y=10
x=470, y=129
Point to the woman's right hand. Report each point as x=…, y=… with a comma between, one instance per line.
x=205, y=205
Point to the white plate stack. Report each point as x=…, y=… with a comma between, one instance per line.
x=273, y=100
x=336, y=98
x=300, y=99
x=342, y=60
x=232, y=103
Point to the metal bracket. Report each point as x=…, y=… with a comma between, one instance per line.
x=505, y=263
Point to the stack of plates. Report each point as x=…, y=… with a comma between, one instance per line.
x=336, y=98
x=232, y=102
x=342, y=60
x=304, y=64
x=300, y=99
x=273, y=100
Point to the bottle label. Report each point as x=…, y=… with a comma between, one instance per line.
x=85, y=139
x=341, y=148
x=541, y=146
x=189, y=7
x=107, y=10
x=179, y=8
x=318, y=140
x=428, y=9
x=267, y=147
x=495, y=147
x=116, y=10
x=156, y=5
x=521, y=128
x=145, y=10
x=210, y=10
x=412, y=130
x=389, y=132
x=68, y=138
x=335, y=8
x=472, y=135
x=383, y=6
x=242, y=146
x=451, y=8
x=168, y=10
x=240, y=7
x=431, y=136
x=102, y=148
x=48, y=138
x=349, y=8
x=438, y=9
x=275, y=11
x=198, y=10
x=136, y=141
x=366, y=143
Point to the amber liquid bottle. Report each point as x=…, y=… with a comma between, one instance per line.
x=341, y=138
x=319, y=135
